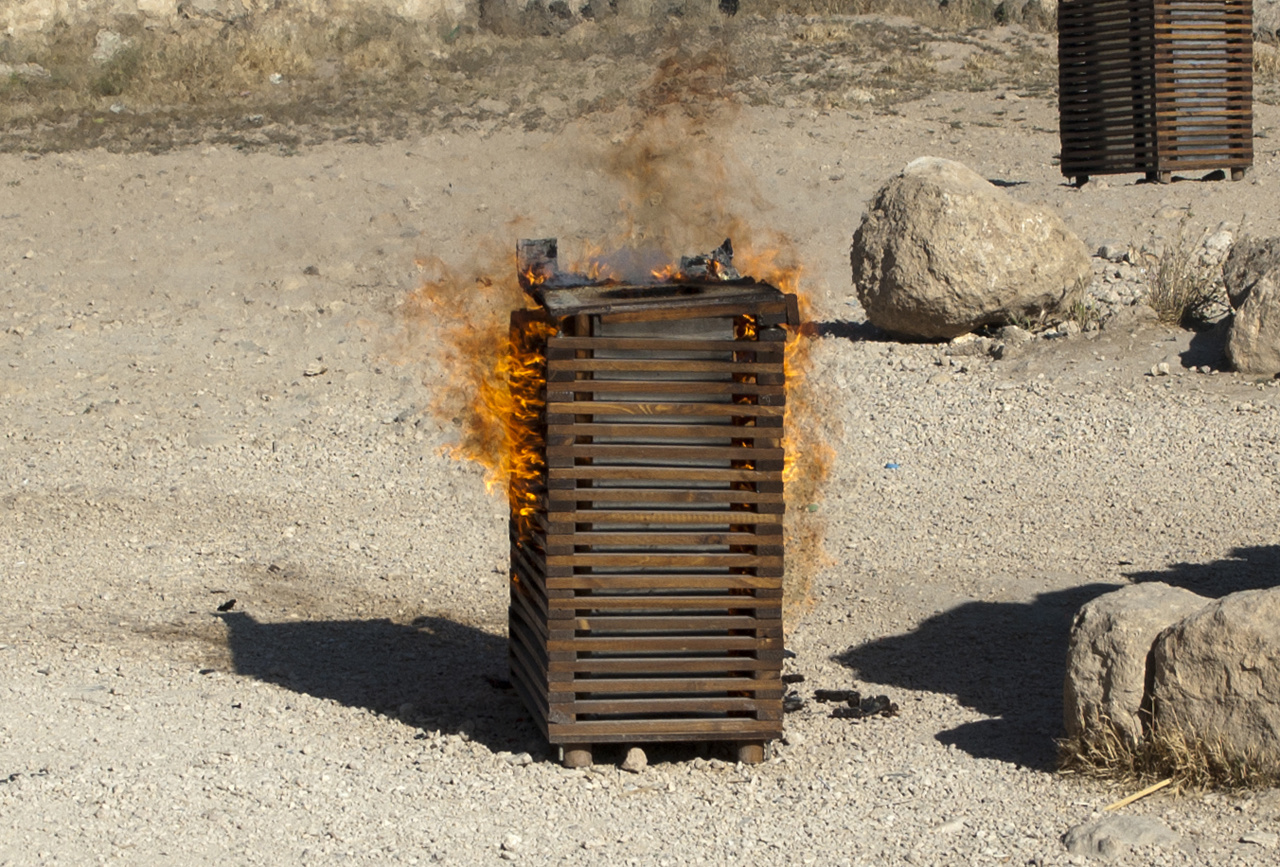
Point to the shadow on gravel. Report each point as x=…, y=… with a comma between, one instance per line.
x=1254, y=568
x=855, y=331
x=1208, y=347
x=435, y=673
x=1004, y=659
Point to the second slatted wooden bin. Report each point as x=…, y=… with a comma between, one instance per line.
x=646, y=598
x=1155, y=86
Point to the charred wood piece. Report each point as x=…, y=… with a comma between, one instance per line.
x=716, y=265
x=864, y=708
x=537, y=262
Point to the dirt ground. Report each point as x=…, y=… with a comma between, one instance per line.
x=211, y=388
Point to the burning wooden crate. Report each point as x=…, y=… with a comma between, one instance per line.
x=1155, y=86
x=646, y=543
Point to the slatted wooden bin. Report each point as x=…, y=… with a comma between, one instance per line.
x=1155, y=86
x=646, y=584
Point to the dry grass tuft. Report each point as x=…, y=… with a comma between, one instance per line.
x=1191, y=762
x=1185, y=290
x=1085, y=313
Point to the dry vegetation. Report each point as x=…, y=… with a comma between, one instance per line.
x=1191, y=762
x=1185, y=289
x=276, y=81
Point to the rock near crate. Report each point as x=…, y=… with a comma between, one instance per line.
x=1107, y=658
x=942, y=252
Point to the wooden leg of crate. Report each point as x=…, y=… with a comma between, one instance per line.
x=1166, y=177
x=751, y=752
x=1081, y=180
x=577, y=755
x=1237, y=174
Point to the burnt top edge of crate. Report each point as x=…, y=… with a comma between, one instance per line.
x=622, y=298
x=704, y=281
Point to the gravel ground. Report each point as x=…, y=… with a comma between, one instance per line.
x=209, y=391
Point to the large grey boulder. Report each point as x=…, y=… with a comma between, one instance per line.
x=942, y=251
x=1253, y=343
x=1216, y=675
x=1111, y=639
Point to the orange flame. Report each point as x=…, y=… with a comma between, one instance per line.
x=490, y=378
x=520, y=408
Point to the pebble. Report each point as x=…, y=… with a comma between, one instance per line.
x=636, y=761
x=1113, y=251
x=1262, y=838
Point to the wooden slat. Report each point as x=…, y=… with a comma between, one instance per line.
x=693, y=408
x=662, y=561
x=562, y=498
x=647, y=344
x=641, y=731
x=669, y=602
x=651, y=581
x=691, y=622
x=563, y=391
x=591, y=516
x=650, y=366
x=631, y=706
x=640, y=473
x=669, y=453
x=650, y=666
x=666, y=540
x=664, y=644
x=761, y=687
x=654, y=429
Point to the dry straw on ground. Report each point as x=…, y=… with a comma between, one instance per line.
x=1191, y=762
